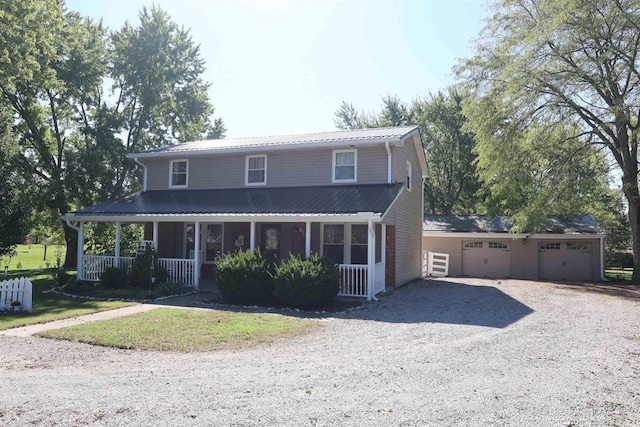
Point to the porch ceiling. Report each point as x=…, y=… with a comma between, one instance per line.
x=322, y=200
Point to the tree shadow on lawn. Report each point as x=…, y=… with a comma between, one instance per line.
x=434, y=301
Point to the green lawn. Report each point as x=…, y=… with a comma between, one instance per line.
x=170, y=329
x=32, y=257
x=619, y=274
x=48, y=307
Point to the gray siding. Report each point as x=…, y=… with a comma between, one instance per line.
x=524, y=256
x=406, y=215
x=287, y=168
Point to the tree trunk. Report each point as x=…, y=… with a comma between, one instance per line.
x=71, y=239
x=630, y=189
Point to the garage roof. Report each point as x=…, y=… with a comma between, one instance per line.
x=575, y=224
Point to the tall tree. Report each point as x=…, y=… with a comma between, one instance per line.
x=452, y=185
x=568, y=69
x=161, y=97
x=14, y=222
x=54, y=67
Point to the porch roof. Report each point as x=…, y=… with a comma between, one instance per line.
x=282, y=201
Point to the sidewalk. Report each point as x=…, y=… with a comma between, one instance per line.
x=188, y=301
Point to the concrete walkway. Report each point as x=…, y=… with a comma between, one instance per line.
x=188, y=301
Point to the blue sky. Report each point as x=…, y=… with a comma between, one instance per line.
x=285, y=66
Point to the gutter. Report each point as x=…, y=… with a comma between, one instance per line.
x=71, y=225
x=386, y=147
x=604, y=279
x=144, y=168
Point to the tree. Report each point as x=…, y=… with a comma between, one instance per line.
x=55, y=66
x=563, y=77
x=452, y=186
x=14, y=220
x=161, y=97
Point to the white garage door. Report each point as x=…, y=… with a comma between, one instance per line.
x=486, y=259
x=564, y=261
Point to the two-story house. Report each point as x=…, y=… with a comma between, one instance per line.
x=353, y=196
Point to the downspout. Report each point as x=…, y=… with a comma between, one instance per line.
x=144, y=168
x=604, y=279
x=386, y=146
x=71, y=225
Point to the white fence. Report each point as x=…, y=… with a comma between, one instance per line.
x=435, y=264
x=16, y=294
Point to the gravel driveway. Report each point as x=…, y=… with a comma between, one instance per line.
x=449, y=352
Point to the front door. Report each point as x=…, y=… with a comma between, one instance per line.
x=271, y=239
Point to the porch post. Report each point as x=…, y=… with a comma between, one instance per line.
x=81, y=251
x=252, y=238
x=196, y=255
x=307, y=239
x=383, y=243
x=155, y=236
x=116, y=262
x=371, y=258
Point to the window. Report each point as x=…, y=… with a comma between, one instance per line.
x=472, y=245
x=256, y=170
x=344, y=166
x=359, y=240
x=178, y=173
x=584, y=247
x=408, y=176
x=550, y=246
x=333, y=243
x=498, y=245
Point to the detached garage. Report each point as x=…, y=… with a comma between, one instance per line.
x=478, y=246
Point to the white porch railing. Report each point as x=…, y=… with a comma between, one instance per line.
x=353, y=280
x=178, y=270
x=94, y=265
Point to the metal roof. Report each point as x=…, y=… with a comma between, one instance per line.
x=352, y=137
x=327, y=200
x=576, y=224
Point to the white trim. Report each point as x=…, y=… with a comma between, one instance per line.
x=334, y=153
x=386, y=147
x=171, y=162
x=116, y=261
x=307, y=239
x=409, y=177
x=246, y=169
x=144, y=173
x=485, y=236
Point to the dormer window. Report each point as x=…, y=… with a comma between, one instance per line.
x=345, y=164
x=178, y=173
x=256, y=170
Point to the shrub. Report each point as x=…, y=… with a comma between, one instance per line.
x=60, y=276
x=141, y=269
x=306, y=283
x=115, y=278
x=618, y=259
x=245, y=277
x=170, y=288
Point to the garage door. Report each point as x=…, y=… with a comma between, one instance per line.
x=486, y=259
x=564, y=261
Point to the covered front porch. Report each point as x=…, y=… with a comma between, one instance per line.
x=190, y=229
x=359, y=248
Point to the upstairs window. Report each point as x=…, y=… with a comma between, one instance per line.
x=256, y=170
x=178, y=173
x=344, y=166
x=408, y=183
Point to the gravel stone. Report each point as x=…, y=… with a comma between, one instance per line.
x=450, y=352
